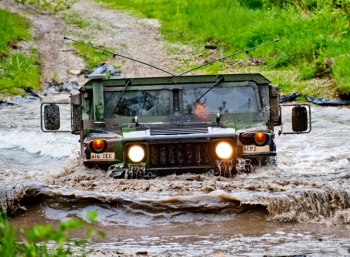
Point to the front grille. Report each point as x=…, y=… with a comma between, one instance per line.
x=177, y=129
x=179, y=153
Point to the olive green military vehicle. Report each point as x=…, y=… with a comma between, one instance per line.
x=154, y=126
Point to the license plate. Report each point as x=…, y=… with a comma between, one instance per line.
x=255, y=149
x=102, y=155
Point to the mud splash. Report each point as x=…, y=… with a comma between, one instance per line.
x=315, y=192
x=307, y=195
x=166, y=197
x=141, y=221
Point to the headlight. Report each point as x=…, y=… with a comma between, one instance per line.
x=224, y=150
x=136, y=153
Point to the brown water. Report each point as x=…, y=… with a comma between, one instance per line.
x=299, y=207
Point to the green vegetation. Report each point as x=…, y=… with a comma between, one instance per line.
x=312, y=56
x=17, y=70
x=49, y=6
x=43, y=240
x=91, y=56
x=314, y=36
x=341, y=71
x=73, y=19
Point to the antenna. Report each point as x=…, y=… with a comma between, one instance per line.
x=116, y=54
x=246, y=51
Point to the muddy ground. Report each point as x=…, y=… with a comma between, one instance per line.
x=109, y=29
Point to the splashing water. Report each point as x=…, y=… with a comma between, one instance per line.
x=307, y=196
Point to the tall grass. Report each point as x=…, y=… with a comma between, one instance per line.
x=12, y=28
x=341, y=70
x=310, y=31
x=17, y=70
x=91, y=55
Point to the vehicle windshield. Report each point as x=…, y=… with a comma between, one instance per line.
x=233, y=104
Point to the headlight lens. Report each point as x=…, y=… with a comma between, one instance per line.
x=224, y=150
x=136, y=153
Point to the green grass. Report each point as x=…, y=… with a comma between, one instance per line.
x=49, y=6
x=310, y=31
x=17, y=70
x=73, y=19
x=92, y=56
x=12, y=28
x=341, y=70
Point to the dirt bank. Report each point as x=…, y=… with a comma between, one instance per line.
x=109, y=29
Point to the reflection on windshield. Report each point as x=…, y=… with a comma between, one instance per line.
x=136, y=103
x=221, y=100
x=201, y=111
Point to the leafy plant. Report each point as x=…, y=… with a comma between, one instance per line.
x=43, y=240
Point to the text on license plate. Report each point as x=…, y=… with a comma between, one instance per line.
x=255, y=149
x=106, y=155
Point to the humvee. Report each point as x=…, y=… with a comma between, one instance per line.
x=154, y=126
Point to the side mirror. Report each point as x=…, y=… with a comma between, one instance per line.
x=52, y=117
x=299, y=119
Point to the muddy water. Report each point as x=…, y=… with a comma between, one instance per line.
x=299, y=207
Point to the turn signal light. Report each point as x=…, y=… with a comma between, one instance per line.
x=260, y=138
x=98, y=145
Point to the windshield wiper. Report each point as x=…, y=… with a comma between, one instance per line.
x=126, y=85
x=217, y=82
